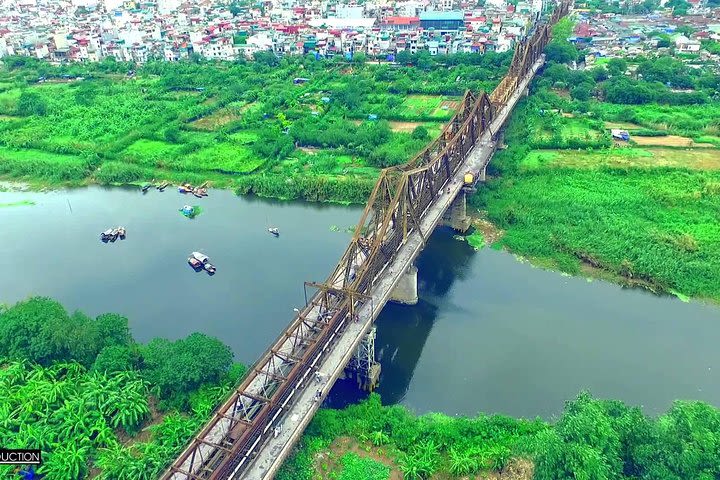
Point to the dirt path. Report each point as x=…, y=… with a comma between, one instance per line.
x=665, y=141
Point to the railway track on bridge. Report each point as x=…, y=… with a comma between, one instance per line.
x=228, y=443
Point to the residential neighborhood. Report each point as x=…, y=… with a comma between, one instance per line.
x=91, y=30
x=171, y=30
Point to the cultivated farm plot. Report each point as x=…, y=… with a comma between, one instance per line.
x=568, y=129
x=218, y=118
x=664, y=141
x=696, y=159
x=222, y=157
x=434, y=129
x=432, y=106
x=151, y=152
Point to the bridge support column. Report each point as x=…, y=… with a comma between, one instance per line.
x=481, y=177
x=405, y=291
x=456, y=216
x=363, y=366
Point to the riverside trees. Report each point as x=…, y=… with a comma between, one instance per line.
x=80, y=389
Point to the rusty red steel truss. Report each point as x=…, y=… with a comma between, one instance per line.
x=402, y=194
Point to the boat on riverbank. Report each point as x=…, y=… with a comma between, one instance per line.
x=199, y=192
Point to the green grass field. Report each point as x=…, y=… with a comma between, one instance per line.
x=696, y=159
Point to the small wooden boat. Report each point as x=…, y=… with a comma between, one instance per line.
x=195, y=263
x=197, y=193
x=184, y=189
x=121, y=232
x=200, y=257
x=106, y=235
x=274, y=231
x=163, y=186
x=209, y=267
x=145, y=187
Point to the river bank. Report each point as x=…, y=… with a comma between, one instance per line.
x=593, y=438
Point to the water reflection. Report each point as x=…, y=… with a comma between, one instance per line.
x=403, y=330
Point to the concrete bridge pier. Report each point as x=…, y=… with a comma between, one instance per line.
x=405, y=290
x=456, y=216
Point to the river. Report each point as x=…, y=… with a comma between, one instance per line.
x=489, y=334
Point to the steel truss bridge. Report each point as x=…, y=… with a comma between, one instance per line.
x=252, y=432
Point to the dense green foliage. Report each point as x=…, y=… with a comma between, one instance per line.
x=241, y=125
x=645, y=215
x=80, y=389
x=593, y=439
x=655, y=226
x=421, y=445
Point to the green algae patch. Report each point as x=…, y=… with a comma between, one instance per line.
x=476, y=240
x=191, y=213
x=22, y=203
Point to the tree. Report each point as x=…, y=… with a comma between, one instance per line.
x=31, y=103
x=420, y=133
x=115, y=358
x=679, y=7
x=616, y=66
x=180, y=367
x=172, y=134
x=423, y=60
x=113, y=329
x=561, y=52
x=26, y=328
x=405, y=57
x=359, y=58
x=266, y=58
x=581, y=92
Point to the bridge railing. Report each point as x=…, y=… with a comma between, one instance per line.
x=401, y=196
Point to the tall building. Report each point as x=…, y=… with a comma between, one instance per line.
x=442, y=21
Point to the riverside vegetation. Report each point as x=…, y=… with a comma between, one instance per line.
x=645, y=210
x=593, y=439
x=97, y=403
x=100, y=405
x=243, y=125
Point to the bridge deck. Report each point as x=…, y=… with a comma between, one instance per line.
x=304, y=406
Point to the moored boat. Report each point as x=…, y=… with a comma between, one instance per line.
x=106, y=235
x=121, y=232
x=209, y=267
x=195, y=263
x=274, y=231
